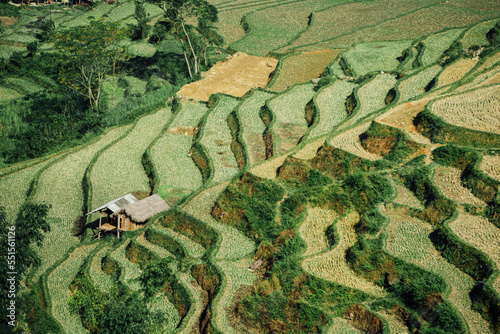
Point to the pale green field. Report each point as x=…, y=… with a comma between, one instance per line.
x=252, y=125
x=217, y=138
x=289, y=124
x=118, y=170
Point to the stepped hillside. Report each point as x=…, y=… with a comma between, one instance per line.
x=363, y=200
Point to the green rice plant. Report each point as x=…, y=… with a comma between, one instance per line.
x=252, y=126
x=161, y=303
x=402, y=27
x=233, y=244
x=191, y=248
x=408, y=238
x=235, y=275
x=20, y=38
x=289, y=120
x=15, y=186
x=65, y=177
x=476, y=35
x=478, y=232
x=371, y=97
x=7, y=51
x=155, y=249
x=7, y=94
x=152, y=10
x=135, y=86
x=58, y=283
x=145, y=50
x=130, y=272
x=198, y=295
x=332, y=266
x=176, y=170
x=121, y=12
x=416, y=84
x=83, y=19
x=347, y=18
x=23, y=85
x=330, y=102
x=216, y=139
x=312, y=230
x=98, y=277
x=119, y=170
x=374, y=57
x=436, y=45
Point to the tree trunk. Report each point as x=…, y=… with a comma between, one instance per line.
x=189, y=67
x=191, y=47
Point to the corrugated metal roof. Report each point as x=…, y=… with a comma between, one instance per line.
x=117, y=204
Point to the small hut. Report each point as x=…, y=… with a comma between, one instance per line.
x=127, y=213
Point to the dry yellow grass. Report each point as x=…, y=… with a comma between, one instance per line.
x=395, y=326
x=478, y=232
x=406, y=197
x=340, y=325
x=313, y=229
x=477, y=110
x=408, y=238
x=309, y=150
x=491, y=166
x=303, y=67
x=332, y=265
x=448, y=180
x=235, y=76
x=268, y=168
x=349, y=141
x=456, y=71
x=496, y=284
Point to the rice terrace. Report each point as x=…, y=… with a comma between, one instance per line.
x=250, y=166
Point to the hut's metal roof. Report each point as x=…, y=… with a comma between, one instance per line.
x=117, y=204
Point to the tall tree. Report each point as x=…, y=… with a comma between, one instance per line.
x=91, y=52
x=191, y=22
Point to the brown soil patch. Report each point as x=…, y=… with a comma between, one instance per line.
x=364, y=320
x=182, y=130
x=234, y=76
x=303, y=67
x=7, y=20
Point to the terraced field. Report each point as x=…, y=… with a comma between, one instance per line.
x=331, y=111
x=130, y=272
x=313, y=229
x=406, y=197
x=234, y=245
x=176, y=171
x=59, y=281
x=479, y=233
x=16, y=185
x=476, y=35
x=98, y=277
x=371, y=97
x=61, y=186
x=108, y=182
x=332, y=266
x=477, y=110
x=416, y=84
x=455, y=72
x=289, y=121
x=216, y=139
x=408, y=238
x=376, y=56
x=252, y=126
x=448, y=180
x=491, y=166
x=349, y=141
x=436, y=45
